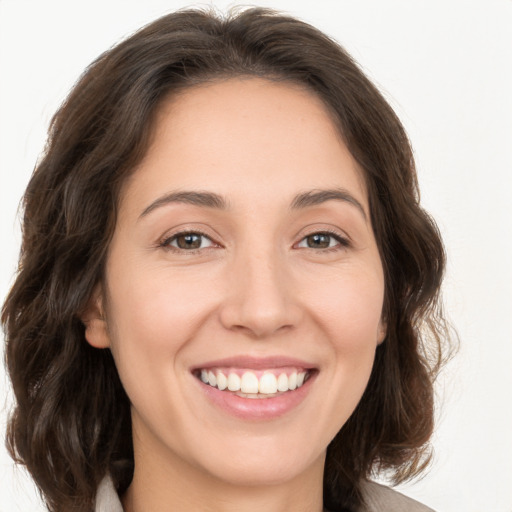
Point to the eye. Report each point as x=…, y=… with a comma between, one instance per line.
x=322, y=241
x=188, y=241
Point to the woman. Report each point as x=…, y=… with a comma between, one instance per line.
x=227, y=284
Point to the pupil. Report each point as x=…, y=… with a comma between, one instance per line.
x=318, y=241
x=189, y=241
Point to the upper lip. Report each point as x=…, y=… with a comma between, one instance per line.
x=256, y=363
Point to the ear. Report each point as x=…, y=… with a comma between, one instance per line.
x=96, y=332
x=382, y=331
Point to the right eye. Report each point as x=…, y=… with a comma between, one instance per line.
x=188, y=241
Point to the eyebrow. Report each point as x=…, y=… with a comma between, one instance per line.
x=317, y=197
x=212, y=200
x=196, y=198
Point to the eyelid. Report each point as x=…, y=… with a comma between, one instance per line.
x=343, y=240
x=165, y=240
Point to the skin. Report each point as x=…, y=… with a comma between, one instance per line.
x=254, y=287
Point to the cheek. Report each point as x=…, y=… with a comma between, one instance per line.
x=349, y=312
x=151, y=320
x=157, y=306
x=154, y=315
x=349, y=308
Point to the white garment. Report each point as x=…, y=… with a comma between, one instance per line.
x=378, y=499
x=107, y=499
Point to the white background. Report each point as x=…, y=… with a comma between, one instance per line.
x=446, y=67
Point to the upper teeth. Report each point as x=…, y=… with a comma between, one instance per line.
x=269, y=383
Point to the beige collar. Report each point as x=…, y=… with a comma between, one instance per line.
x=378, y=499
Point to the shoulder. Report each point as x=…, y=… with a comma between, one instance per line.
x=380, y=498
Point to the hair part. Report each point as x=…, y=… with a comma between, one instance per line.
x=71, y=424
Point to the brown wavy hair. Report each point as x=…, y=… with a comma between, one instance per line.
x=71, y=423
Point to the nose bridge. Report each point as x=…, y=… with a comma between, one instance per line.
x=260, y=298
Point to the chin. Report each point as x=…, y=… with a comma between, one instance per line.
x=264, y=463
x=251, y=473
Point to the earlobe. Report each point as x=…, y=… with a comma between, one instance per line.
x=93, y=318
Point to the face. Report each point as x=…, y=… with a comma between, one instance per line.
x=244, y=289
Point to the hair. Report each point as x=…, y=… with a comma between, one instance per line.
x=71, y=423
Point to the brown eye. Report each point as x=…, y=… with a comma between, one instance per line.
x=318, y=241
x=189, y=241
x=322, y=241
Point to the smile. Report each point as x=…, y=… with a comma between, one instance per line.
x=280, y=385
x=254, y=383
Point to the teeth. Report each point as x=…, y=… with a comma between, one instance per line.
x=255, y=395
x=282, y=382
x=249, y=383
x=250, y=386
x=222, y=381
x=268, y=384
x=234, y=382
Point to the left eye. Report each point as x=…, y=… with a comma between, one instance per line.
x=320, y=241
x=188, y=241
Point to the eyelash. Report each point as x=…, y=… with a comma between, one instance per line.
x=342, y=242
x=165, y=243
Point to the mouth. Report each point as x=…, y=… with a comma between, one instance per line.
x=255, y=383
x=257, y=388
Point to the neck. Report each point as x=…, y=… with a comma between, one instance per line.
x=160, y=485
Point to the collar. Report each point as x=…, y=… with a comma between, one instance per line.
x=107, y=499
x=378, y=498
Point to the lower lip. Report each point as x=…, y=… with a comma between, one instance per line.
x=257, y=408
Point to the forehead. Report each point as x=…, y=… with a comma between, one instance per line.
x=246, y=136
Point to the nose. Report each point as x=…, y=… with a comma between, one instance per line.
x=260, y=299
